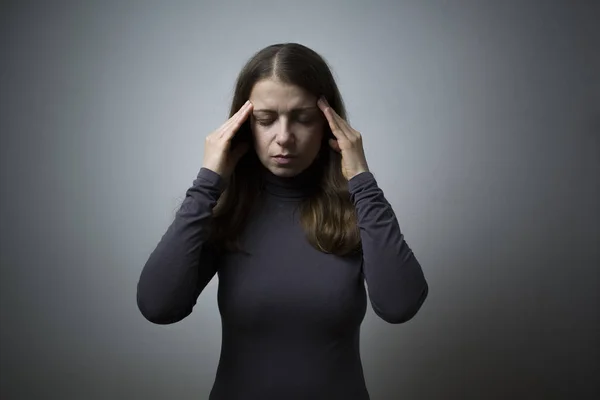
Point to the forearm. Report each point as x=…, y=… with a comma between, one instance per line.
x=181, y=266
x=395, y=279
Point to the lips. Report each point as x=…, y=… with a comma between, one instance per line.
x=284, y=159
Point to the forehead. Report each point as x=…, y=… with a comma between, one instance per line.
x=281, y=97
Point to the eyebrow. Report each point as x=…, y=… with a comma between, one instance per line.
x=266, y=110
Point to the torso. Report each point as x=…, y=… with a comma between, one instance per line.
x=291, y=314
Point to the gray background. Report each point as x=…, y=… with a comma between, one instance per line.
x=481, y=121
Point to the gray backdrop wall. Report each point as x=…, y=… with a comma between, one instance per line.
x=481, y=122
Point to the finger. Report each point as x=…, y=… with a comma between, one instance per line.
x=238, y=114
x=242, y=109
x=343, y=125
x=331, y=120
x=231, y=127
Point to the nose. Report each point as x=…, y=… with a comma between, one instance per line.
x=284, y=135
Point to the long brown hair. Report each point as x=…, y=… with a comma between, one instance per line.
x=328, y=216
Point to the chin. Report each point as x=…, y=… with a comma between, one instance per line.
x=287, y=171
x=284, y=172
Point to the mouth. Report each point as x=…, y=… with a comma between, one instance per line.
x=283, y=159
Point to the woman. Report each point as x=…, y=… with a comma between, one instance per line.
x=286, y=212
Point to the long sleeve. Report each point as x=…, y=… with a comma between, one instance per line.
x=396, y=283
x=181, y=266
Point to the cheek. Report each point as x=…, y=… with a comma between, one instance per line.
x=260, y=137
x=316, y=134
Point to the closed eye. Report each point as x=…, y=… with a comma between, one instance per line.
x=304, y=120
x=264, y=122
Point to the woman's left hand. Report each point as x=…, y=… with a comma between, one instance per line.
x=347, y=141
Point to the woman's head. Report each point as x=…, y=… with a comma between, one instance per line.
x=287, y=126
x=284, y=82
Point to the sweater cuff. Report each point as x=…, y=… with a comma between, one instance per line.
x=356, y=182
x=212, y=178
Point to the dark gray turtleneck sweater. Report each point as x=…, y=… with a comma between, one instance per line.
x=290, y=314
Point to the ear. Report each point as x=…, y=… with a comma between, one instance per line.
x=334, y=145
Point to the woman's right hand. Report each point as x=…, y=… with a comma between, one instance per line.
x=218, y=155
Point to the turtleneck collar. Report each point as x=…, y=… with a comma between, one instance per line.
x=292, y=188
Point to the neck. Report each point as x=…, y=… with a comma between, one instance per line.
x=293, y=188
